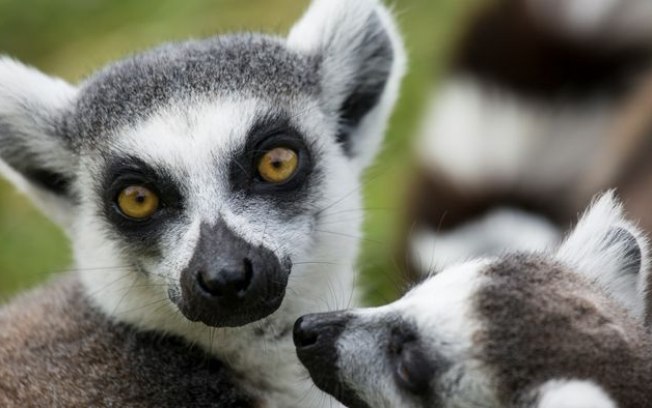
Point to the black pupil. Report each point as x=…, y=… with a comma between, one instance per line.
x=140, y=198
x=277, y=164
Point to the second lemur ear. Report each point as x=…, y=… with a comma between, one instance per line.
x=612, y=251
x=362, y=62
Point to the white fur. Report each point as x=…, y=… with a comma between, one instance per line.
x=195, y=141
x=445, y=322
x=23, y=88
x=503, y=230
x=482, y=137
x=335, y=28
x=586, y=250
x=573, y=394
x=444, y=311
x=190, y=142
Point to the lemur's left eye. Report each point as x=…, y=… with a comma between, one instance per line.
x=138, y=202
x=278, y=165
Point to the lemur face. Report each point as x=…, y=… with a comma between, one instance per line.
x=507, y=331
x=203, y=176
x=237, y=180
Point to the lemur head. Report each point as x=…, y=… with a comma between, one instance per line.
x=520, y=330
x=197, y=174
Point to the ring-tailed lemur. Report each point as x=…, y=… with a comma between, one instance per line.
x=202, y=185
x=547, y=102
x=561, y=329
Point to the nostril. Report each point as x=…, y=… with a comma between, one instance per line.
x=303, y=336
x=208, y=285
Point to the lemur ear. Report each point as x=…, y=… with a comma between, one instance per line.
x=612, y=251
x=34, y=154
x=362, y=62
x=618, y=21
x=571, y=394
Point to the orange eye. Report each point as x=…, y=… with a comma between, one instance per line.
x=278, y=165
x=138, y=202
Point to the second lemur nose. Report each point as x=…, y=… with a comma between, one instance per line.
x=304, y=334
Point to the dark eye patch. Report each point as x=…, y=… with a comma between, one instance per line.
x=414, y=367
x=128, y=171
x=269, y=132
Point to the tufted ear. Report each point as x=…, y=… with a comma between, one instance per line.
x=362, y=61
x=34, y=154
x=571, y=394
x=612, y=251
x=617, y=21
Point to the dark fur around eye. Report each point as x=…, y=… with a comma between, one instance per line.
x=414, y=368
x=269, y=133
x=129, y=171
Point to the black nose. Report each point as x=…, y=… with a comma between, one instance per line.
x=305, y=334
x=232, y=282
x=319, y=331
x=316, y=337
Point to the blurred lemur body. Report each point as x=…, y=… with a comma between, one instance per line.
x=561, y=328
x=202, y=185
x=547, y=102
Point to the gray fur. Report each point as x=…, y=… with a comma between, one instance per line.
x=245, y=65
x=184, y=121
x=522, y=330
x=52, y=339
x=542, y=322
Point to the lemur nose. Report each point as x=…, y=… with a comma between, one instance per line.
x=305, y=334
x=319, y=330
x=231, y=282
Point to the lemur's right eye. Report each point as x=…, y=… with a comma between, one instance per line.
x=278, y=165
x=138, y=202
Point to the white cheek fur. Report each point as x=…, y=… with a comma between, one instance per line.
x=324, y=253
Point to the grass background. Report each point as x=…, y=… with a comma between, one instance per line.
x=72, y=38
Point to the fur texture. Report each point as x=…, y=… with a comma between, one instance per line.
x=519, y=330
x=62, y=351
x=190, y=122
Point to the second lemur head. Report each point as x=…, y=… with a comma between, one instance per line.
x=200, y=177
x=558, y=329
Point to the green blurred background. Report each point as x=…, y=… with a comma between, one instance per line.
x=71, y=38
